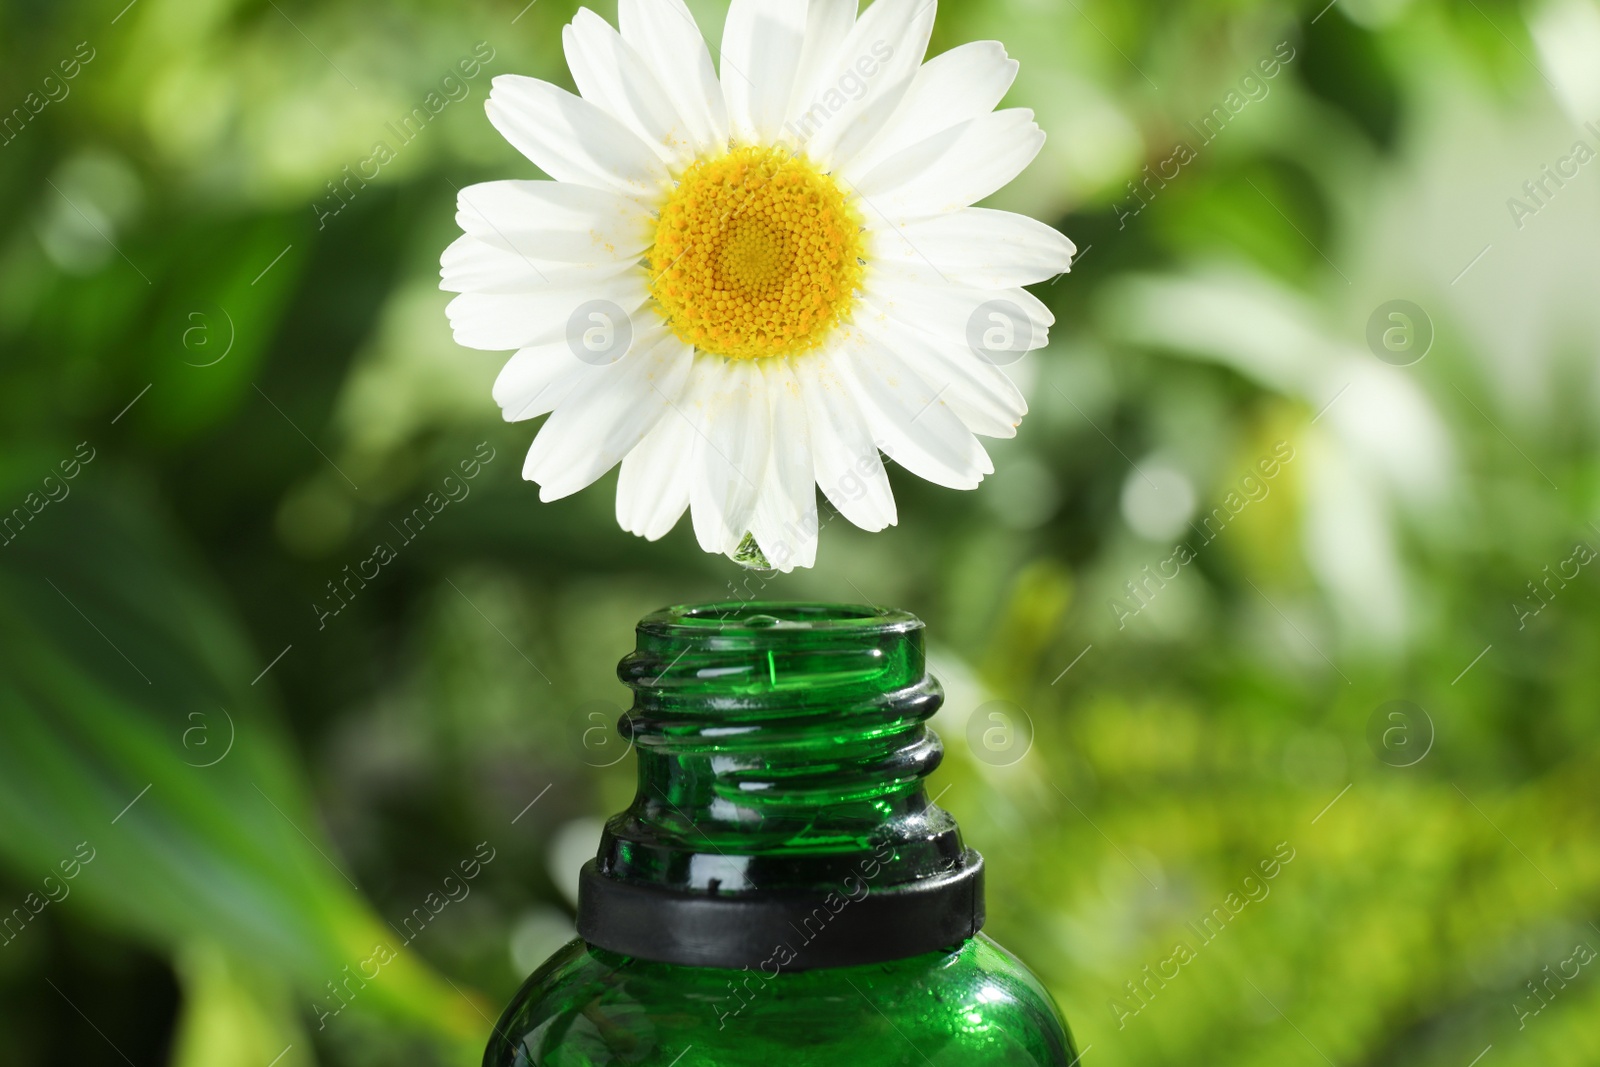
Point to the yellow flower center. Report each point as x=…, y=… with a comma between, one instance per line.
x=757, y=254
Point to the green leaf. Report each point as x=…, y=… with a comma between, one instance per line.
x=138, y=739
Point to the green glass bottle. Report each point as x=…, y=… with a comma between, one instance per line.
x=781, y=890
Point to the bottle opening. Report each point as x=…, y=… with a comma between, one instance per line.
x=757, y=618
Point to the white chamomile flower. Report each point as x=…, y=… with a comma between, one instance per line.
x=743, y=288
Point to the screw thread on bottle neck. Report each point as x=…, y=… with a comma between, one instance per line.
x=780, y=746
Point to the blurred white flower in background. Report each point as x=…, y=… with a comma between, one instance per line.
x=1567, y=35
x=1373, y=449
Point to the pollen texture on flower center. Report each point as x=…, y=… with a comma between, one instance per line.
x=757, y=254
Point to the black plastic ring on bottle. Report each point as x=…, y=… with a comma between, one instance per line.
x=782, y=931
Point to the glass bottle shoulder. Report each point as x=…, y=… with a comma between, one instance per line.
x=974, y=1005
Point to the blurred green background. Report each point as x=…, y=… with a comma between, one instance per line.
x=222, y=786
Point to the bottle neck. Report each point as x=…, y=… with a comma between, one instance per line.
x=781, y=747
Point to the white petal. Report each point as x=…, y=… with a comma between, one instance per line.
x=785, y=520
x=975, y=247
x=985, y=400
x=571, y=139
x=556, y=220
x=980, y=394
x=955, y=168
x=728, y=407
x=910, y=422
x=847, y=466
x=761, y=45
x=665, y=35
x=498, y=321
x=535, y=380
x=958, y=314
x=473, y=266
x=653, y=486
x=828, y=23
x=875, y=66
x=607, y=414
x=786, y=543
x=610, y=73
x=964, y=83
